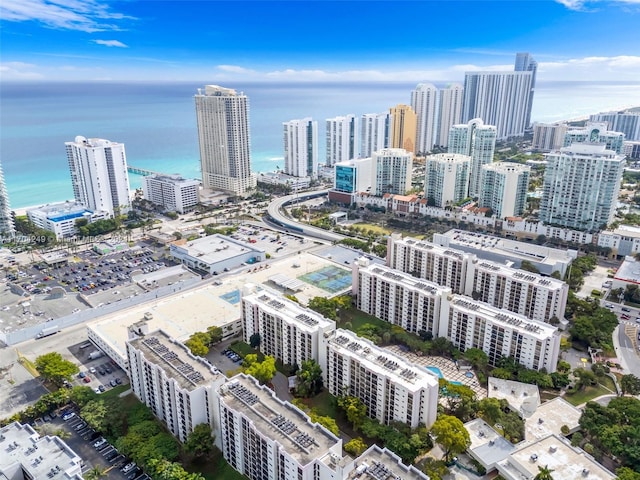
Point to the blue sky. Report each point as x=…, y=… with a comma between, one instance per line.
x=299, y=40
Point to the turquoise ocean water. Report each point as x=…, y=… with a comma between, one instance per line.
x=156, y=122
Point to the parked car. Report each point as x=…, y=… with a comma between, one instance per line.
x=86, y=379
x=68, y=416
x=99, y=443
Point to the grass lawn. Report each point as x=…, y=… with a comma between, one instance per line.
x=115, y=391
x=585, y=395
x=358, y=319
x=243, y=349
x=607, y=383
x=215, y=468
x=324, y=403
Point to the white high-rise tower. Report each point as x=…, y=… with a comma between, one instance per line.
x=99, y=174
x=526, y=63
x=223, y=133
x=301, y=148
x=342, y=139
x=6, y=220
x=424, y=101
x=450, y=112
x=374, y=133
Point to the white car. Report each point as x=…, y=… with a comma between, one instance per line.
x=99, y=443
x=68, y=416
x=92, y=370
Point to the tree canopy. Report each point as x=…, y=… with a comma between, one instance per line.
x=200, y=442
x=55, y=368
x=309, y=378
x=449, y=432
x=262, y=371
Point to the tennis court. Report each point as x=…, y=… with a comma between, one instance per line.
x=331, y=279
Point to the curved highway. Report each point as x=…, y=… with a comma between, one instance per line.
x=277, y=217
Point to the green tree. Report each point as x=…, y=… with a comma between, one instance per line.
x=435, y=469
x=625, y=473
x=95, y=414
x=529, y=267
x=477, y=358
x=355, y=410
x=584, y=378
x=95, y=473
x=254, y=340
x=309, y=378
x=262, y=371
x=55, y=368
x=162, y=469
x=355, y=446
x=630, y=384
x=324, y=306
x=544, y=473
x=197, y=344
x=449, y=432
x=215, y=335
x=200, y=442
x=82, y=395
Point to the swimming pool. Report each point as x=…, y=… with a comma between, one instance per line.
x=438, y=372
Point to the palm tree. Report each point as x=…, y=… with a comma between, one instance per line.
x=544, y=473
x=95, y=473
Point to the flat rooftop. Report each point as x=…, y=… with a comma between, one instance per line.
x=213, y=304
x=503, y=246
x=276, y=419
x=629, y=271
x=39, y=456
x=382, y=464
x=627, y=231
x=407, y=280
x=523, y=398
x=549, y=418
x=521, y=275
x=174, y=358
x=534, y=328
x=487, y=445
x=430, y=247
x=213, y=248
x=380, y=360
x=554, y=452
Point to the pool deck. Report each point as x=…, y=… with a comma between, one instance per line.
x=446, y=366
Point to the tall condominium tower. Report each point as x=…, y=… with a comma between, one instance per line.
x=7, y=227
x=595, y=133
x=374, y=133
x=392, y=171
x=99, y=174
x=446, y=178
x=403, y=128
x=342, y=139
x=478, y=141
x=503, y=188
x=498, y=98
x=301, y=148
x=424, y=101
x=450, y=111
x=624, y=122
x=547, y=137
x=223, y=134
x=581, y=186
x=526, y=63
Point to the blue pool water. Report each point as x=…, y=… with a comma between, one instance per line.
x=233, y=297
x=438, y=372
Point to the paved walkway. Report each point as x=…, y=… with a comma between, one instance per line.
x=448, y=368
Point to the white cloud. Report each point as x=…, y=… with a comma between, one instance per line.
x=589, y=5
x=83, y=15
x=111, y=43
x=622, y=67
x=19, y=71
x=235, y=69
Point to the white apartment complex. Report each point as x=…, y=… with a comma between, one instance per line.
x=301, y=148
x=581, y=186
x=424, y=102
x=595, y=133
x=548, y=136
x=412, y=303
x=500, y=99
x=264, y=437
x=450, y=111
x=288, y=331
x=177, y=386
x=623, y=241
x=475, y=324
x=626, y=122
x=392, y=168
x=172, y=192
x=528, y=294
x=222, y=116
x=390, y=387
x=478, y=141
x=342, y=139
x=446, y=178
x=60, y=218
x=99, y=174
x=503, y=188
x=374, y=133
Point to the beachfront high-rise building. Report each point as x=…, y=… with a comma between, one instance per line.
x=548, y=136
x=450, y=111
x=392, y=168
x=350, y=178
x=526, y=63
x=223, y=133
x=374, y=133
x=424, y=102
x=99, y=174
x=7, y=228
x=503, y=188
x=478, y=141
x=446, y=178
x=595, y=133
x=342, y=139
x=581, y=186
x=625, y=122
x=172, y=192
x=403, y=128
x=500, y=99
x=301, y=148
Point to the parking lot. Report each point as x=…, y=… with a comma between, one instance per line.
x=99, y=373
x=94, y=449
